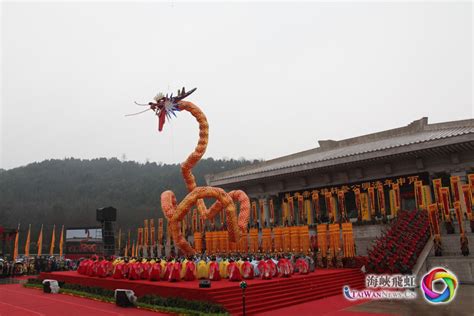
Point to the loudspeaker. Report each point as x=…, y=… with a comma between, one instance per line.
x=46, y=287
x=50, y=286
x=205, y=283
x=125, y=298
x=106, y=214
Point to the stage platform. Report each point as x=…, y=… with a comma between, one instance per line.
x=261, y=295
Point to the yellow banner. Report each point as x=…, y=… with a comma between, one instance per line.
x=53, y=240
x=15, y=247
x=27, y=244
x=364, y=204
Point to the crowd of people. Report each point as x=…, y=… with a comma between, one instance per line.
x=397, y=250
x=34, y=265
x=214, y=268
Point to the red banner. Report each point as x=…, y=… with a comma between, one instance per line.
x=357, y=202
x=291, y=208
x=301, y=208
x=261, y=206
x=315, y=198
x=140, y=236
x=328, y=198
x=160, y=231
x=437, y=189
x=470, y=178
x=419, y=195
x=152, y=232
x=371, y=191
x=381, y=199
x=396, y=190
x=341, y=203
x=145, y=233
x=445, y=202
x=433, y=211
x=454, y=180
x=466, y=192
x=254, y=212
x=457, y=209
x=272, y=211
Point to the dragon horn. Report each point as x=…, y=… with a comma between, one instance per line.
x=185, y=94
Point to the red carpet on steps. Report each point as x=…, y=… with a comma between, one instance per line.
x=335, y=305
x=15, y=300
x=261, y=295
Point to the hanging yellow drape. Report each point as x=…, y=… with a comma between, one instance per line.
x=304, y=239
x=253, y=247
x=284, y=212
x=334, y=238
x=295, y=238
x=27, y=244
x=322, y=238
x=286, y=238
x=266, y=239
x=348, y=240
x=277, y=239
x=198, y=241
x=364, y=204
x=244, y=243
x=308, y=211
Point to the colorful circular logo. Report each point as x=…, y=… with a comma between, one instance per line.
x=439, y=297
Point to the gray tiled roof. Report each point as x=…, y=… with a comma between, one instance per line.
x=359, y=146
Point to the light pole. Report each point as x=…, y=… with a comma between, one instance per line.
x=243, y=286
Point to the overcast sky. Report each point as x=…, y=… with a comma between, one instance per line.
x=272, y=78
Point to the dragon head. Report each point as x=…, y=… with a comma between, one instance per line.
x=164, y=106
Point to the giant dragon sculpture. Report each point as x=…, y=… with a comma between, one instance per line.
x=165, y=107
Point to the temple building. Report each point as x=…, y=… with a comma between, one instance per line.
x=362, y=178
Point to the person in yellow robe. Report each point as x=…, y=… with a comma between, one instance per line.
x=202, y=269
x=183, y=268
x=223, y=268
x=163, y=268
x=239, y=263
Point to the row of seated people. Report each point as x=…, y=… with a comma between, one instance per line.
x=398, y=248
x=189, y=269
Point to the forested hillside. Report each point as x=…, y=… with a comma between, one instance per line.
x=69, y=191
